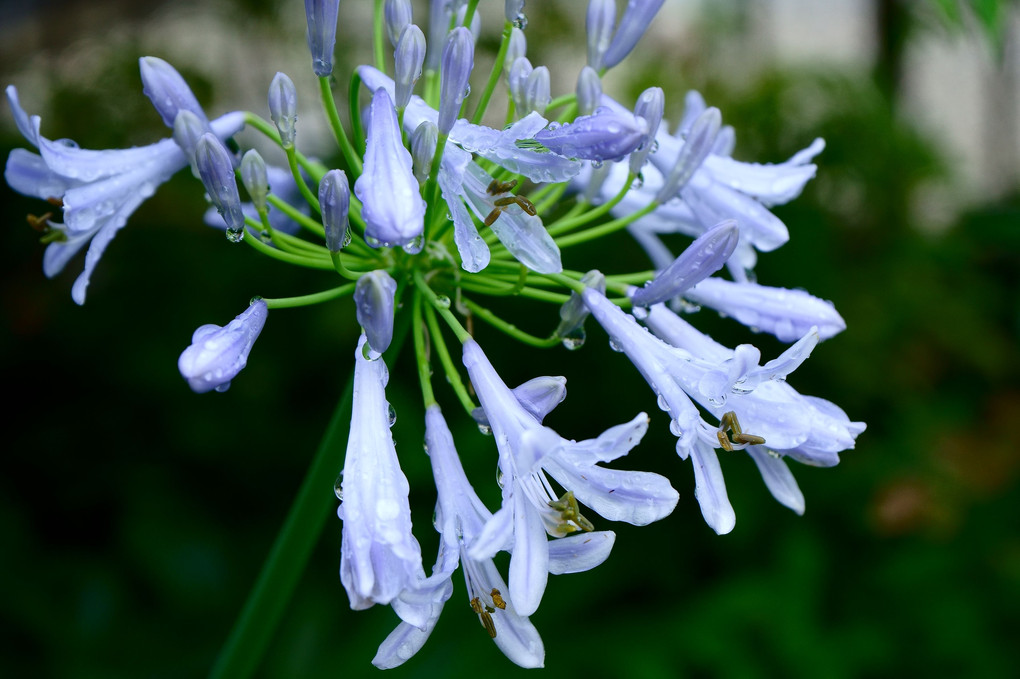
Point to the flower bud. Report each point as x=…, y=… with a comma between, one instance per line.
x=255, y=178
x=649, y=107
x=589, y=91
x=517, y=80
x=633, y=24
x=217, y=173
x=536, y=91
x=168, y=92
x=538, y=396
x=513, y=10
x=334, y=206
x=604, y=135
x=217, y=354
x=423, y=149
x=476, y=21
x=321, y=17
x=701, y=259
x=188, y=129
x=696, y=148
x=374, y=296
x=574, y=312
x=407, y=62
x=283, y=107
x=398, y=17
x=517, y=47
x=455, y=74
x=599, y=24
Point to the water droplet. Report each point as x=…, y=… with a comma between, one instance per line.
x=615, y=346
x=67, y=143
x=655, y=146
x=596, y=164
x=485, y=429
x=235, y=235
x=639, y=312
x=574, y=340
x=467, y=91
x=391, y=414
x=264, y=236
x=415, y=246
x=774, y=454
x=554, y=125
x=499, y=476
x=520, y=21
x=443, y=302
x=347, y=238
x=638, y=182
x=338, y=488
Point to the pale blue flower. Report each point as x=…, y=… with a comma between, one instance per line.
x=530, y=511
x=650, y=106
x=538, y=396
x=788, y=314
x=408, y=59
x=398, y=16
x=216, y=170
x=588, y=91
x=335, y=206
x=99, y=190
x=460, y=517
x=217, y=354
x=393, y=211
x=380, y=558
x=255, y=177
x=806, y=428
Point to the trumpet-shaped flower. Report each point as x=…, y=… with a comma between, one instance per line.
x=531, y=509
x=394, y=213
x=217, y=354
x=604, y=135
x=379, y=557
x=460, y=518
x=374, y=301
x=98, y=190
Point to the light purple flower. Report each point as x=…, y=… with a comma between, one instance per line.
x=255, y=177
x=588, y=91
x=393, y=210
x=217, y=354
x=216, y=170
x=407, y=63
x=335, y=206
x=282, y=183
x=380, y=558
x=455, y=74
x=283, y=107
x=599, y=23
x=787, y=314
x=531, y=511
x=460, y=518
x=398, y=16
x=99, y=190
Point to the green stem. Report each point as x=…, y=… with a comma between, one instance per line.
x=355, y=112
x=308, y=300
x=378, y=35
x=509, y=328
x=604, y=229
x=288, y=257
x=421, y=352
x=315, y=170
x=452, y=374
x=561, y=226
x=306, y=192
x=497, y=68
x=353, y=161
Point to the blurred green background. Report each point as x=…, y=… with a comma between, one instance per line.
x=136, y=515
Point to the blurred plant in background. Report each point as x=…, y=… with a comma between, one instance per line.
x=839, y=593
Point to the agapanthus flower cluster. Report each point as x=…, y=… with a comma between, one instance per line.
x=430, y=211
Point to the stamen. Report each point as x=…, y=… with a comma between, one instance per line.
x=491, y=218
x=497, y=599
x=504, y=202
x=490, y=627
x=570, y=512
x=730, y=422
x=497, y=187
x=526, y=205
x=39, y=223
